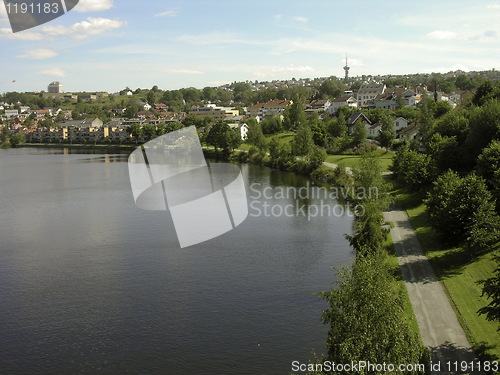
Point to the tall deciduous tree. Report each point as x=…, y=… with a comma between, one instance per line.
x=387, y=133
x=367, y=319
x=303, y=141
x=453, y=205
x=294, y=115
x=255, y=136
x=359, y=135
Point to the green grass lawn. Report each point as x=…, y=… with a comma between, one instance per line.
x=459, y=274
x=353, y=161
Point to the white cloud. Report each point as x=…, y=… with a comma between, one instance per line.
x=38, y=54
x=493, y=6
x=81, y=30
x=93, y=5
x=6, y=33
x=442, y=35
x=301, y=19
x=53, y=72
x=292, y=69
x=168, y=13
x=185, y=71
x=213, y=38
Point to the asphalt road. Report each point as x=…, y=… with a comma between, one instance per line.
x=438, y=323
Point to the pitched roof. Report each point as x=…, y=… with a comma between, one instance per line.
x=343, y=98
x=355, y=116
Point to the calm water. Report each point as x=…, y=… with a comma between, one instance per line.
x=91, y=284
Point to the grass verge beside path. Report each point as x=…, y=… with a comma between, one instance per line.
x=353, y=161
x=459, y=274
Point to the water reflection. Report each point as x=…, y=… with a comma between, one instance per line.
x=89, y=283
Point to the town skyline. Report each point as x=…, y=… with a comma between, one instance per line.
x=106, y=45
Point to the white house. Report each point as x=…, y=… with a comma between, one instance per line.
x=243, y=130
x=9, y=113
x=374, y=131
x=400, y=123
x=354, y=119
x=343, y=101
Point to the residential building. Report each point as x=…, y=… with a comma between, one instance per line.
x=55, y=88
x=43, y=113
x=319, y=105
x=10, y=113
x=400, y=123
x=86, y=123
x=410, y=132
x=343, y=101
x=271, y=108
x=355, y=118
x=160, y=107
x=213, y=112
x=368, y=92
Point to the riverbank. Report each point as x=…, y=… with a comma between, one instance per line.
x=80, y=146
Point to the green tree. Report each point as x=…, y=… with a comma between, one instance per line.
x=413, y=169
x=359, y=135
x=366, y=317
x=294, y=115
x=488, y=167
x=387, y=133
x=233, y=140
x=221, y=136
x=303, y=142
x=149, y=131
x=331, y=88
x=255, y=135
x=136, y=131
x=453, y=202
x=4, y=135
x=338, y=127
x=482, y=93
x=131, y=111
x=242, y=92
x=280, y=153
x=318, y=129
x=272, y=125
x=315, y=158
x=484, y=128
x=151, y=97
x=16, y=139
x=446, y=152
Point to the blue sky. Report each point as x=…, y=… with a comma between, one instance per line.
x=110, y=44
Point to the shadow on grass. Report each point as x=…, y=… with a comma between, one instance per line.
x=451, y=262
x=481, y=349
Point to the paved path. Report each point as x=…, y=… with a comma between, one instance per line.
x=347, y=169
x=438, y=323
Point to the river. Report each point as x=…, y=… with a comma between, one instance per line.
x=92, y=284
